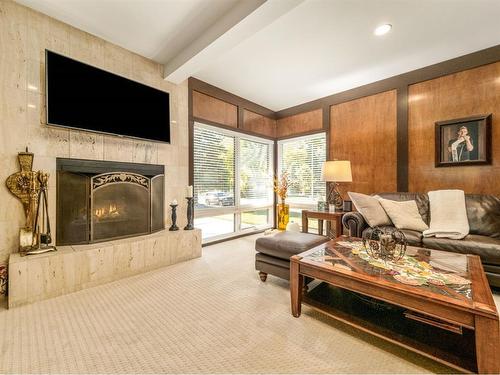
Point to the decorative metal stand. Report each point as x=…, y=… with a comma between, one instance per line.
x=190, y=214
x=31, y=189
x=24, y=185
x=334, y=196
x=388, y=244
x=174, y=226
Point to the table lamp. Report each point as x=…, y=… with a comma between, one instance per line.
x=335, y=171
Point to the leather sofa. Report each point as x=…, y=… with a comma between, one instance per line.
x=483, y=213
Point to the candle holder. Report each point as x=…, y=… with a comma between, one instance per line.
x=174, y=226
x=190, y=213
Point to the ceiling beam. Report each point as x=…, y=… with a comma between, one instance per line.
x=241, y=22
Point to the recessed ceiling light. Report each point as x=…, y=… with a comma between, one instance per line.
x=383, y=29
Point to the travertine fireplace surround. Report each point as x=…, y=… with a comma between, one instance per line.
x=24, y=36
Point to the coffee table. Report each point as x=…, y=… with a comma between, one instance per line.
x=450, y=316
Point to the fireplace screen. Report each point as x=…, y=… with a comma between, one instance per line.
x=120, y=205
x=110, y=205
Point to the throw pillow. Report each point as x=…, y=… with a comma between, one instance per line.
x=404, y=215
x=370, y=208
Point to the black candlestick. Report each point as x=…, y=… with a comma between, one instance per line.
x=174, y=218
x=190, y=212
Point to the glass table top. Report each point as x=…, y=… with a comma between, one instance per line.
x=439, y=272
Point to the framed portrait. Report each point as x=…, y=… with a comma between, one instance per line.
x=464, y=141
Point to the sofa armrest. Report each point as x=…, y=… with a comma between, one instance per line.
x=355, y=222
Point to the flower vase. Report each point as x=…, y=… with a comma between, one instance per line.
x=283, y=213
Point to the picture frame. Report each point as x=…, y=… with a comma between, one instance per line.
x=323, y=206
x=463, y=141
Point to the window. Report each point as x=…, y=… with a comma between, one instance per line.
x=303, y=158
x=250, y=219
x=214, y=167
x=215, y=226
x=255, y=173
x=232, y=182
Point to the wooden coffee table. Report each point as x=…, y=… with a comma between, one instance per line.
x=455, y=324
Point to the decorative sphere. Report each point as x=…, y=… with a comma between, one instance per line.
x=386, y=244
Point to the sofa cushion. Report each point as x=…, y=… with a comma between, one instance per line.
x=487, y=248
x=404, y=214
x=371, y=209
x=413, y=237
x=285, y=244
x=421, y=199
x=483, y=214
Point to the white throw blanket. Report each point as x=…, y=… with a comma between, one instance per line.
x=448, y=214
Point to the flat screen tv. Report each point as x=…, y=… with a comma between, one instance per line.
x=83, y=97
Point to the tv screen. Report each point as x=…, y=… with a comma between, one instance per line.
x=84, y=97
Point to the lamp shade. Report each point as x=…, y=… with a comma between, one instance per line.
x=336, y=171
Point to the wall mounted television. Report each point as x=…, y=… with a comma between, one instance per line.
x=83, y=97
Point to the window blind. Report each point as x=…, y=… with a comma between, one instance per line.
x=302, y=158
x=214, y=168
x=255, y=173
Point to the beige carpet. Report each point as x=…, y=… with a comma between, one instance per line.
x=210, y=315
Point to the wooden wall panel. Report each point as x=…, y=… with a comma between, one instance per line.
x=364, y=132
x=471, y=92
x=259, y=124
x=215, y=110
x=300, y=123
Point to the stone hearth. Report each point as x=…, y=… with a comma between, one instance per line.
x=72, y=268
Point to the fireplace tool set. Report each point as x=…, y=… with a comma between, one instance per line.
x=31, y=188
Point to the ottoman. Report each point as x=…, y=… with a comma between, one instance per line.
x=274, y=251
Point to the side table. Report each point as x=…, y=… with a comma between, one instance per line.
x=335, y=216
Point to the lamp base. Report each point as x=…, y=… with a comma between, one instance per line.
x=334, y=197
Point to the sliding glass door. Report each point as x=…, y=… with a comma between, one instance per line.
x=232, y=182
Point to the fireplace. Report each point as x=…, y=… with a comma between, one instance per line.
x=100, y=201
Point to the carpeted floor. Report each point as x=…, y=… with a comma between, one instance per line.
x=210, y=315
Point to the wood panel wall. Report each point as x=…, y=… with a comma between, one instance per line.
x=364, y=132
x=471, y=92
x=214, y=110
x=300, y=124
x=259, y=124
x=371, y=125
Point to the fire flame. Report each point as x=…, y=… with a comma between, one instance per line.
x=112, y=210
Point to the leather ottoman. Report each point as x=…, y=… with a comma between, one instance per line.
x=274, y=251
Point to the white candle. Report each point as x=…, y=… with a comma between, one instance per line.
x=174, y=202
x=189, y=191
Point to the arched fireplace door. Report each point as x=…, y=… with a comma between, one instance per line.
x=119, y=206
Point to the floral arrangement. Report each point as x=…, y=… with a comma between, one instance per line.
x=281, y=186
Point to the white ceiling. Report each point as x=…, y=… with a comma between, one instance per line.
x=157, y=29
x=286, y=52
x=326, y=46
